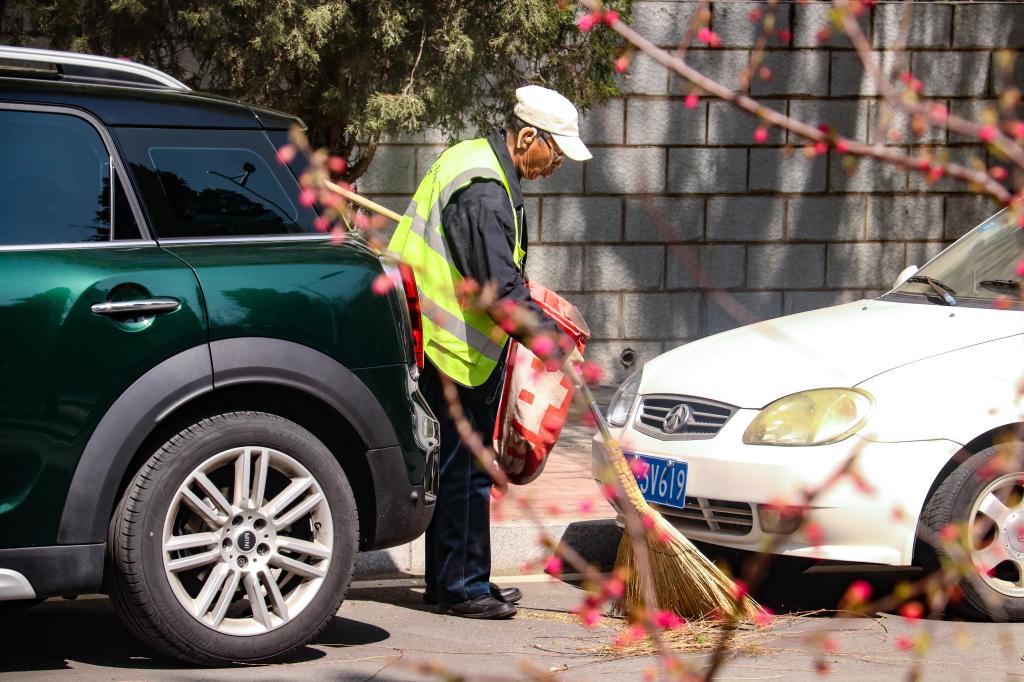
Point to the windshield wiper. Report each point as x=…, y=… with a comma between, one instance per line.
x=1000, y=284
x=945, y=292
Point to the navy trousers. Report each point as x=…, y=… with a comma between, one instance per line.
x=458, y=540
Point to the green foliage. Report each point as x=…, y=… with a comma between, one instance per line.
x=354, y=70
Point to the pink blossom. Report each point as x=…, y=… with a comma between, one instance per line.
x=609, y=491
x=754, y=16
x=764, y=616
x=998, y=173
x=613, y=588
x=337, y=164
x=829, y=645
x=588, y=21
x=1003, y=302
x=939, y=112
x=950, y=532
x=904, y=643
x=785, y=35
x=858, y=592
x=286, y=153
x=1020, y=268
x=912, y=611
x=706, y=35
x=740, y=589
x=621, y=64
x=1018, y=130
x=760, y=135
x=307, y=197
x=553, y=566
x=842, y=146
x=935, y=174
x=322, y=224
x=639, y=467
x=591, y=372
x=691, y=101
x=987, y=133
x=648, y=521
x=814, y=533
x=610, y=17
x=542, y=346
x=507, y=325
x=382, y=284
x=821, y=667
x=820, y=147
x=337, y=235
x=586, y=506
x=590, y=618
x=668, y=620
x=822, y=35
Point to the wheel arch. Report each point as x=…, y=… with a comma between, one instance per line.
x=313, y=388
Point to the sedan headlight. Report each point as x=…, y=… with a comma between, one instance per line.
x=622, y=401
x=817, y=417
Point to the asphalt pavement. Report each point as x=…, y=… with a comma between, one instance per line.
x=384, y=632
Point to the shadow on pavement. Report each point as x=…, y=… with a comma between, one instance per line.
x=88, y=631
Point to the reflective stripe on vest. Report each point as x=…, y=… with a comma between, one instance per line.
x=464, y=344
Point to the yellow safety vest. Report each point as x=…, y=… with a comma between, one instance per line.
x=464, y=344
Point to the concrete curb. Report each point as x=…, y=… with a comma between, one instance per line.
x=513, y=544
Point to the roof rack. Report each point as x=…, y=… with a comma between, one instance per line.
x=91, y=67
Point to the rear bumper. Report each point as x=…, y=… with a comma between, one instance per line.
x=403, y=511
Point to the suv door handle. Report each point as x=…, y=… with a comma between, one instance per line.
x=149, y=306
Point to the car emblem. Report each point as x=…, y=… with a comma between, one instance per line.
x=246, y=541
x=676, y=419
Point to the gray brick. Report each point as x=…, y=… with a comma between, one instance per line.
x=795, y=72
x=919, y=253
x=852, y=174
x=707, y=170
x=947, y=74
x=902, y=124
x=393, y=171
x=602, y=312
x=664, y=219
x=661, y=316
x=426, y=155
x=810, y=18
x=802, y=301
x=663, y=23
x=863, y=265
x=728, y=311
x=714, y=266
x=567, y=179
x=531, y=206
x=785, y=266
x=929, y=24
x=425, y=136
x=556, y=267
x=604, y=124
x=745, y=218
x=905, y=217
x=624, y=268
x=731, y=21
x=999, y=25
x=849, y=78
x=606, y=354
x=833, y=218
x=664, y=121
x=964, y=156
x=577, y=219
x=977, y=110
x=723, y=66
x=964, y=213
x=849, y=118
x=626, y=170
x=644, y=77
x=728, y=124
x=772, y=169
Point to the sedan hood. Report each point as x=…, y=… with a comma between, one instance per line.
x=839, y=346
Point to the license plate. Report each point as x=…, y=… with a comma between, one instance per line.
x=664, y=481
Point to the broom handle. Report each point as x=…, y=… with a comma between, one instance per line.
x=582, y=388
x=363, y=201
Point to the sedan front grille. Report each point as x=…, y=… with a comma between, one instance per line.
x=676, y=417
x=713, y=516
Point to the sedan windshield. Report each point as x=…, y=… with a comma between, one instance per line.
x=981, y=265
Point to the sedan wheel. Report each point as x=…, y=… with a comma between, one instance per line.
x=235, y=541
x=985, y=496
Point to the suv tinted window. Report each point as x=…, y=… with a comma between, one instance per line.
x=54, y=180
x=214, y=183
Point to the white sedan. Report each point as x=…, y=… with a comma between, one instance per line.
x=863, y=432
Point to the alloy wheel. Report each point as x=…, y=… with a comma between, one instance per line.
x=997, y=534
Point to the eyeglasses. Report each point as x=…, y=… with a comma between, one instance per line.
x=556, y=153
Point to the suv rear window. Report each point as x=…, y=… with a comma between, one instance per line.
x=214, y=183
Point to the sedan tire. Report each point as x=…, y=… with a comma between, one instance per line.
x=235, y=542
x=975, y=521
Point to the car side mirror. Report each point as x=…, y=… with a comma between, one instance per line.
x=904, y=275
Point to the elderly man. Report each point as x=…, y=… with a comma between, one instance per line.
x=466, y=221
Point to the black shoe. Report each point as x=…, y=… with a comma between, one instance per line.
x=509, y=595
x=485, y=608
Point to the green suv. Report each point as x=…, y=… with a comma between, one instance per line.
x=205, y=410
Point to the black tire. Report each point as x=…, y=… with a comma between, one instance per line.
x=142, y=592
x=9, y=609
x=951, y=505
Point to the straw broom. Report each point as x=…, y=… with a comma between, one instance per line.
x=678, y=577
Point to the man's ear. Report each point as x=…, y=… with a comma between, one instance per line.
x=526, y=137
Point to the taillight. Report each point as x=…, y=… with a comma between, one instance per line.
x=412, y=300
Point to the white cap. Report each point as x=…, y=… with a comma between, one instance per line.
x=552, y=112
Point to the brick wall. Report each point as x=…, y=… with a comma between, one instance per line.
x=678, y=201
